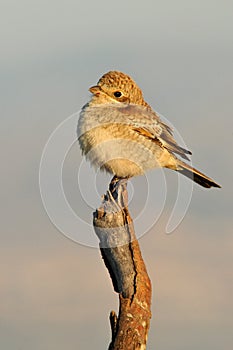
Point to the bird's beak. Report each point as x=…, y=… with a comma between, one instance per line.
x=95, y=90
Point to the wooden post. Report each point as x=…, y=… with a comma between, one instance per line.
x=122, y=257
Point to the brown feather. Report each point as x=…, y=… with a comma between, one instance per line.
x=196, y=175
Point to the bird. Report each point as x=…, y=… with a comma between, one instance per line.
x=119, y=132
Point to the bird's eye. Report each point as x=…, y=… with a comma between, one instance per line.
x=117, y=94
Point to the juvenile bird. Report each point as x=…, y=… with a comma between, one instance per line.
x=119, y=132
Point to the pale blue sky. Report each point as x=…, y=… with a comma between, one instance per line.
x=57, y=294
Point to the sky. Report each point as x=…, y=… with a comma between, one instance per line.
x=55, y=290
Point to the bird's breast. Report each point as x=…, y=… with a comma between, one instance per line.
x=116, y=147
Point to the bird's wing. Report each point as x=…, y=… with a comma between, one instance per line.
x=141, y=119
x=146, y=122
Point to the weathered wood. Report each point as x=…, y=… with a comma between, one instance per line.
x=122, y=257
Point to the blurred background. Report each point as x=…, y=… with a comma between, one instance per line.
x=55, y=293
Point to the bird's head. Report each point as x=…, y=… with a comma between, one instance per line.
x=114, y=87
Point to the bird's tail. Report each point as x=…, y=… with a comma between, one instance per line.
x=196, y=175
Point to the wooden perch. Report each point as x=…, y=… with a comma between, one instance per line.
x=122, y=257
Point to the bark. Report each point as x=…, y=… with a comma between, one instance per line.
x=122, y=257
